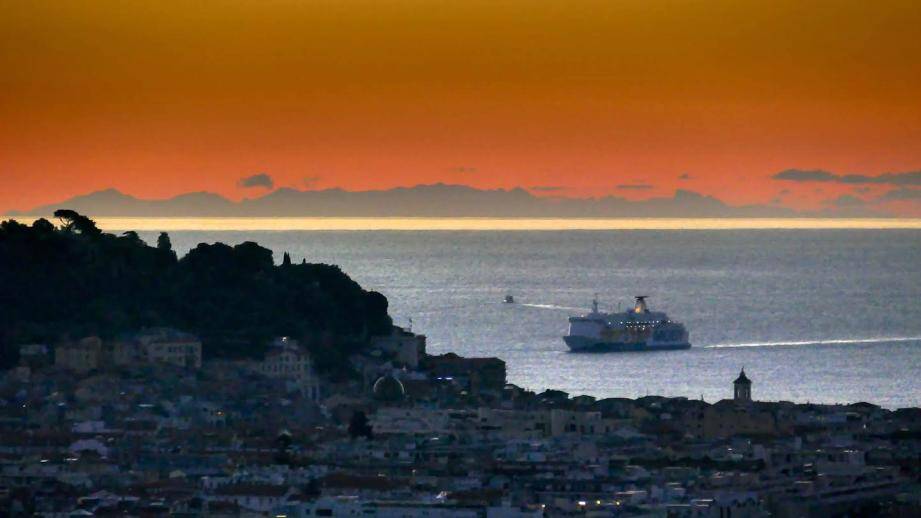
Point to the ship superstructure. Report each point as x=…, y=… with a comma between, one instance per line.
x=636, y=329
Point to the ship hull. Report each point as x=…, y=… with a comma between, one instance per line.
x=584, y=344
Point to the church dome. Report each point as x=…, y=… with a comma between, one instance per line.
x=388, y=388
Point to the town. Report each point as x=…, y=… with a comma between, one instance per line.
x=141, y=425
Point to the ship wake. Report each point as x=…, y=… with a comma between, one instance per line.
x=842, y=341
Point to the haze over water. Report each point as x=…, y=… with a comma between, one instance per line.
x=821, y=315
x=471, y=223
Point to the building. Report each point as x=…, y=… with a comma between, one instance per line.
x=260, y=498
x=82, y=356
x=165, y=345
x=742, y=388
x=34, y=355
x=720, y=505
x=388, y=389
x=575, y=422
x=477, y=374
x=155, y=345
x=405, y=347
x=728, y=418
x=286, y=360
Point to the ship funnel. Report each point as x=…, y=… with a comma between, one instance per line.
x=640, y=306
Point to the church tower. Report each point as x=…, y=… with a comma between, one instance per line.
x=742, y=386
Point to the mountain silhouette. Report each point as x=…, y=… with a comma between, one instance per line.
x=435, y=200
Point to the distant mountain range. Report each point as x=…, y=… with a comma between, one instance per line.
x=437, y=200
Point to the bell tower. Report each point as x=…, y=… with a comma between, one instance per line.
x=742, y=388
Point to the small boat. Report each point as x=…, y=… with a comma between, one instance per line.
x=509, y=299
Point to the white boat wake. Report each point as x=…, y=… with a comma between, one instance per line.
x=821, y=342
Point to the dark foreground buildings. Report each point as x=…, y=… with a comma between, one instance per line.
x=143, y=427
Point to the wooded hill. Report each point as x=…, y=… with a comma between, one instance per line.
x=73, y=280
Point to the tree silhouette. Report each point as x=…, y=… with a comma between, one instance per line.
x=163, y=242
x=76, y=222
x=359, y=426
x=282, y=447
x=77, y=281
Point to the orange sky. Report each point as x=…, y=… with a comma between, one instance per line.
x=158, y=98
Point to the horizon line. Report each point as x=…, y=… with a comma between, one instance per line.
x=478, y=223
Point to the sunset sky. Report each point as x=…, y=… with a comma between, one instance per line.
x=574, y=98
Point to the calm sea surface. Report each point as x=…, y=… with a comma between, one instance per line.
x=813, y=315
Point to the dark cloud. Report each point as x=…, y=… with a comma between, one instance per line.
x=863, y=190
x=818, y=175
x=311, y=181
x=799, y=175
x=634, y=186
x=463, y=169
x=901, y=195
x=546, y=188
x=257, y=180
x=783, y=192
x=684, y=176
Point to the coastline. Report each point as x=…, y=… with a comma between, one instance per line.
x=314, y=419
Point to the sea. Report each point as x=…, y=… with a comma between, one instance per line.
x=822, y=315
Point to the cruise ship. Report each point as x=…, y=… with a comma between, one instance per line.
x=636, y=329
